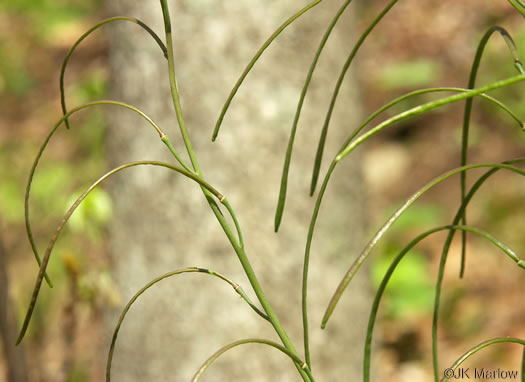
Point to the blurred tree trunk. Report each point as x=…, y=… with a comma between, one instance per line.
x=14, y=356
x=162, y=221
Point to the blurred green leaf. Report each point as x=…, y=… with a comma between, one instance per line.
x=11, y=202
x=90, y=88
x=78, y=374
x=15, y=78
x=408, y=74
x=94, y=211
x=46, y=16
x=49, y=185
x=417, y=216
x=409, y=291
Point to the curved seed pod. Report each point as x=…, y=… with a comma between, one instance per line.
x=254, y=60
x=324, y=132
x=235, y=286
x=288, y=155
x=60, y=227
x=86, y=34
x=302, y=365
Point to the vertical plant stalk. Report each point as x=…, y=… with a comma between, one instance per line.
x=467, y=113
x=222, y=221
x=317, y=166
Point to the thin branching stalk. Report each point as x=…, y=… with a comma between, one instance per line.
x=418, y=110
x=94, y=28
x=349, y=146
x=449, y=373
x=466, y=117
x=236, y=287
x=475, y=187
x=60, y=227
x=384, y=228
x=333, y=165
x=375, y=305
x=235, y=236
x=43, y=147
x=443, y=260
x=238, y=248
x=255, y=58
x=224, y=349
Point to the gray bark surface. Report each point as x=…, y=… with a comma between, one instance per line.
x=162, y=221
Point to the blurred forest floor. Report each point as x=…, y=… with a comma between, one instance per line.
x=419, y=44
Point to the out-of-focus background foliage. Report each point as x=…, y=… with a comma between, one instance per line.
x=420, y=44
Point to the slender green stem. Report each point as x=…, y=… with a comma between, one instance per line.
x=234, y=285
x=165, y=139
x=60, y=227
x=174, y=90
x=259, y=292
x=418, y=110
x=414, y=93
x=365, y=123
x=254, y=60
x=288, y=157
x=235, y=222
x=241, y=254
x=324, y=132
x=372, y=243
x=224, y=349
x=386, y=278
x=350, y=144
x=94, y=28
x=519, y=5
x=41, y=151
x=467, y=113
x=477, y=348
x=306, y=266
